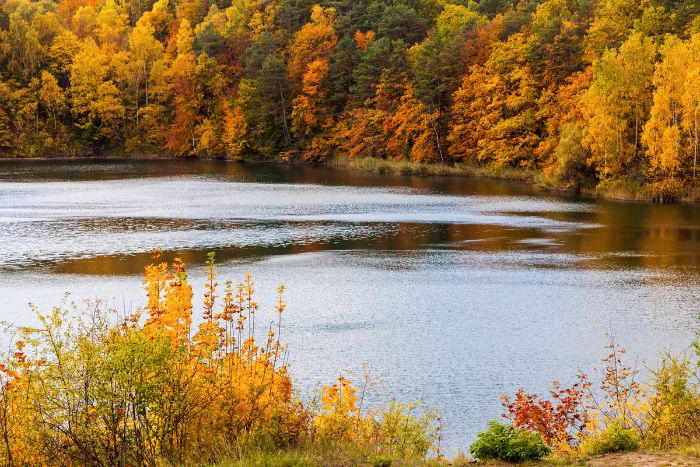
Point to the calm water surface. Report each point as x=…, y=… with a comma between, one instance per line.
x=452, y=291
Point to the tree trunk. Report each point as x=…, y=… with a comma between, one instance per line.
x=284, y=116
x=695, y=138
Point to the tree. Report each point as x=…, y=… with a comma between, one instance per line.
x=555, y=47
x=612, y=23
x=662, y=132
x=235, y=129
x=502, y=121
x=365, y=76
x=671, y=133
x=145, y=50
x=181, y=132
x=402, y=22
x=109, y=111
x=314, y=41
x=25, y=51
x=84, y=21
x=51, y=96
x=439, y=61
x=110, y=25
x=617, y=104
x=266, y=106
x=88, y=72
x=412, y=131
x=691, y=101
x=210, y=87
x=7, y=136
x=471, y=118
x=61, y=55
x=306, y=106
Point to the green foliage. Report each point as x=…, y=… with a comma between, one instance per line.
x=615, y=438
x=505, y=442
x=571, y=170
x=407, y=434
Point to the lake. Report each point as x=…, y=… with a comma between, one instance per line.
x=448, y=290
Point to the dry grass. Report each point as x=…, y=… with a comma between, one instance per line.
x=384, y=166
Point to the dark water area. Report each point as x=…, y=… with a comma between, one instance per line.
x=449, y=290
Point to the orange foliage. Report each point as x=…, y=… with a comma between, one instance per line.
x=362, y=39
x=314, y=41
x=561, y=421
x=306, y=107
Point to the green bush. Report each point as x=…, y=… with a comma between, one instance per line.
x=505, y=442
x=381, y=461
x=615, y=438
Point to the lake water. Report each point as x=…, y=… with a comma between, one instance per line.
x=448, y=290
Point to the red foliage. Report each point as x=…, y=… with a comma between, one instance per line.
x=559, y=420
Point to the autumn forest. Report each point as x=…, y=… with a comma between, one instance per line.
x=463, y=294
x=584, y=92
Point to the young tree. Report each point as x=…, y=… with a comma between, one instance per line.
x=145, y=50
x=88, y=72
x=51, y=96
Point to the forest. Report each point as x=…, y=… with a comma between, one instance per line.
x=589, y=94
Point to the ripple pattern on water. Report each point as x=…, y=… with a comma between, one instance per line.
x=453, y=291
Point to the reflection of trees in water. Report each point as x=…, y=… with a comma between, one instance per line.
x=623, y=236
x=606, y=234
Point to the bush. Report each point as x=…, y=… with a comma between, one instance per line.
x=673, y=417
x=505, y=442
x=666, y=191
x=615, y=438
x=151, y=388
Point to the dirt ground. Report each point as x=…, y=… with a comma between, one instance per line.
x=644, y=459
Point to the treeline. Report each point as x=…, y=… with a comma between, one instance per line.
x=589, y=92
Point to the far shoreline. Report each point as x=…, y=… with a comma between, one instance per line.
x=377, y=166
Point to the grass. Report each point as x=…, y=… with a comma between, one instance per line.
x=402, y=167
x=623, y=189
x=327, y=455
x=332, y=456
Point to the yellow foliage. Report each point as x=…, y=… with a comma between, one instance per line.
x=156, y=389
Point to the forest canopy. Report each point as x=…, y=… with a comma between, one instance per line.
x=586, y=92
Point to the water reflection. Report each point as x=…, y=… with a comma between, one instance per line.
x=455, y=290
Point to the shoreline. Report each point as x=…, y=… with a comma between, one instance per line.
x=378, y=166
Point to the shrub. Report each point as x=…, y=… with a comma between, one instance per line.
x=151, y=388
x=505, y=442
x=399, y=430
x=382, y=461
x=666, y=191
x=615, y=438
x=673, y=418
x=560, y=419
